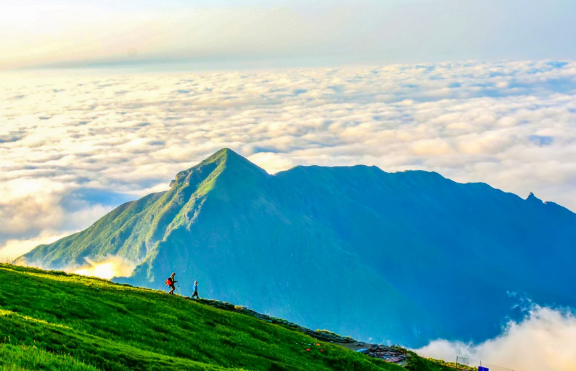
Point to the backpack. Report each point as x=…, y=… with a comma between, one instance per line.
x=169, y=282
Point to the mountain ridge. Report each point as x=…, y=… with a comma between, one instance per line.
x=391, y=244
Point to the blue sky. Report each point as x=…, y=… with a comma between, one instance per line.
x=282, y=32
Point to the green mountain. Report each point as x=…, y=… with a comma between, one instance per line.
x=56, y=321
x=398, y=257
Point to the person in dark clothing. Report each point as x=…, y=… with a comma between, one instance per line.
x=195, y=290
x=170, y=282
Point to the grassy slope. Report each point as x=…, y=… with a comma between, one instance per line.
x=17, y=358
x=416, y=363
x=77, y=323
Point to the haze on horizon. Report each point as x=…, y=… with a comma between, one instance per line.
x=233, y=33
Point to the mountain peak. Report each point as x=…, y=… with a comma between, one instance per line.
x=224, y=155
x=231, y=160
x=532, y=198
x=223, y=160
x=224, y=152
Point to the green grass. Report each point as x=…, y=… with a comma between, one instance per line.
x=16, y=358
x=52, y=320
x=416, y=363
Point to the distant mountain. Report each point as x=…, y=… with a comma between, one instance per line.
x=399, y=257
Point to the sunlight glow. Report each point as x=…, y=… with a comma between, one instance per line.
x=107, y=269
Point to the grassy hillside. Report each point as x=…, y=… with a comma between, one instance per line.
x=416, y=363
x=56, y=321
x=23, y=357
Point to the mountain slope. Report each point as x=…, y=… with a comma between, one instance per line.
x=51, y=320
x=400, y=257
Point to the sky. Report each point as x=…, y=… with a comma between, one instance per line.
x=103, y=102
x=249, y=33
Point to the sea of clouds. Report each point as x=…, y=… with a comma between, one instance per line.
x=75, y=145
x=543, y=341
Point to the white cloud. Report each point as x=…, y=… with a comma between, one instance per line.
x=74, y=146
x=544, y=341
x=29, y=203
x=15, y=248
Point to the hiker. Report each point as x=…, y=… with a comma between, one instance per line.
x=170, y=282
x=195, y=290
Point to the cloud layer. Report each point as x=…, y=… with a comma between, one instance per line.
x=74, y=146
x=543, y=341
